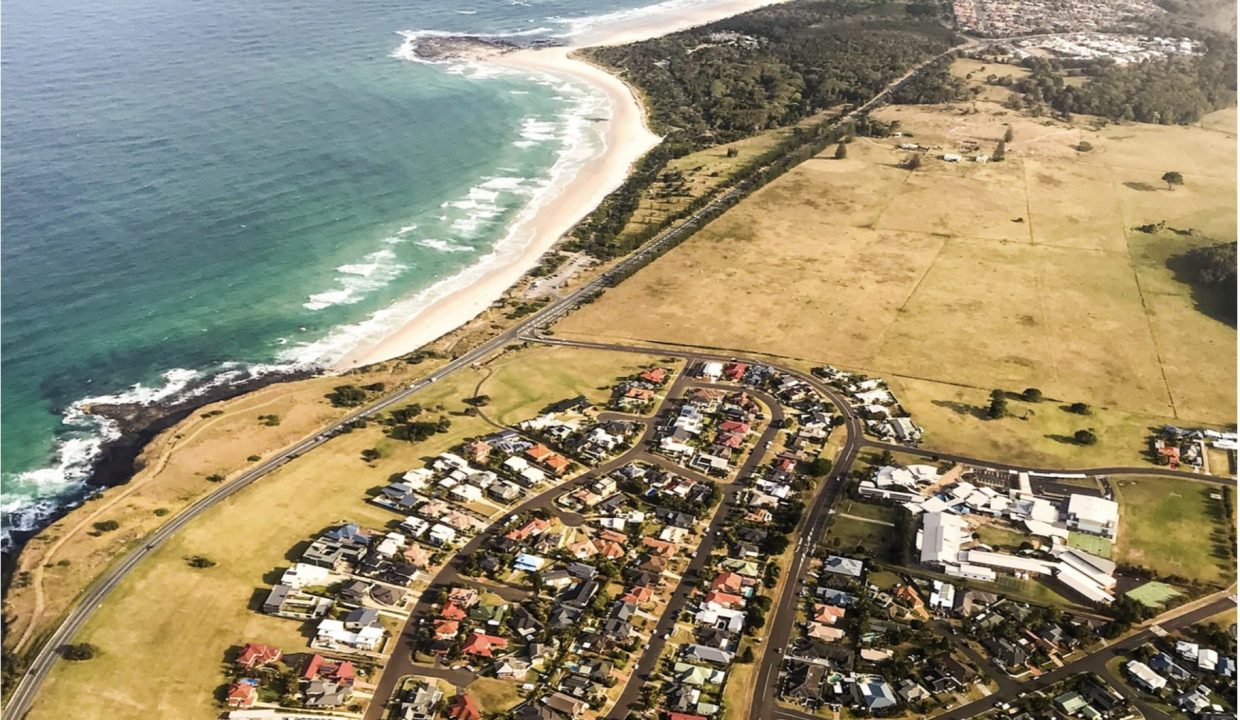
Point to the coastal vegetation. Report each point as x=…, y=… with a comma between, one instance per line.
x=778, y=67
x=1174, y=91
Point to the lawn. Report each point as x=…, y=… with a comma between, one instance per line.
x=524, y=383
x=847, y=534
x=494, y=695
x=1173, y=527
x=999, y=536
x=884, y=514
x=960, y=278
x=164, y=633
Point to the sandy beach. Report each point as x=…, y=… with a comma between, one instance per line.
x=626, y=138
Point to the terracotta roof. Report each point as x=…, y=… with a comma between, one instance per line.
x=482, y=644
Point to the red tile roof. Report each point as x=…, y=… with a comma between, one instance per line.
x=242, y=695
x=452, y=611
x=539, y=452
x=464, y=708
x=482, y=644
x=255, y=655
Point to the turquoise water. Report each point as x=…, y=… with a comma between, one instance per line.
x=198, y=191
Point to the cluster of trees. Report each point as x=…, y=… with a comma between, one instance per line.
x=352, y=395
x=1172, y=91
x=1213, y=268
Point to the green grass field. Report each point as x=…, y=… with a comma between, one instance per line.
x=1173, y=527
x=1153, y=594
x=846, y=534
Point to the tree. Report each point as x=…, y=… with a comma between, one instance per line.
x=347, y=396
x=1084, y=146
x=107, y=525
x=746, y=655
x=1032, y=395
x=998, y=405
x=199, y=562
x=820, y=466
x=371, y=455
x=841, y=151
x=1080, y=408
x=1172, y=178
x=1008, y=135
x=1000, y=152
x=79, y=652
x=733, y=152
x=912, y=162
x=1085, y=437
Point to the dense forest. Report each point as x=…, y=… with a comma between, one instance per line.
x=1170, y=92
x=775, y=66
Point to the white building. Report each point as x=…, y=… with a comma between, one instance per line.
x=303, y=575
x=1145, y=677
x=942, y=534
x=1093, y=515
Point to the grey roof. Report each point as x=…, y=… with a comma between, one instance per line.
x=843, y=566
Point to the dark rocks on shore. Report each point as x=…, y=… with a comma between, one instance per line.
x=138, y=424
x=440, y=48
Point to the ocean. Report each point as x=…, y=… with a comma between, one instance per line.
x=198, y=193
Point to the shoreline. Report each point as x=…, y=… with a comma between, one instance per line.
x=626, y=138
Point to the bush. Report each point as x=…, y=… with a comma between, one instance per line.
x=200, y=562
x=254, y=458
x=78, y=652
x=1080, y=408
x=215, y=478
x=371, y=454
x=160, y=512
x=107, y=525
x=269, y=420
x=1085, y=437
x=1032, y=395
x=1084, y=146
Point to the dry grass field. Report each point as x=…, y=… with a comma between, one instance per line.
x=164, y=634
x=218, y=439
x=958, y=278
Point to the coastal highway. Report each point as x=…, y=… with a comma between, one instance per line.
x=48, y=653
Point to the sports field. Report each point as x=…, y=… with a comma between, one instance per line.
x=1093, y=544
x=176, y=623
x=1174, y=527
x=958, y=278
x=1152, y=594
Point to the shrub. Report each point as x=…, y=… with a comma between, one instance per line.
x=254, y=458
x=78, y=652
x=160, y=512
x=1032, y=395
x=107, y=525
x=200, y=562
x=215, y=478
x=1084, y=146
x=1080, y=408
